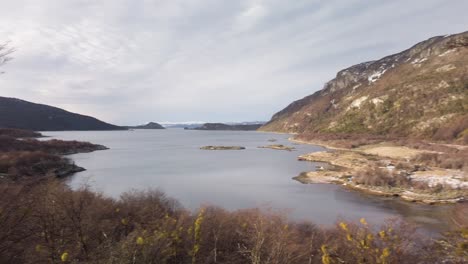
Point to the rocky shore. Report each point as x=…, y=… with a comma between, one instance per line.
x=386, y=170
x=278, y=147
x=23, y=156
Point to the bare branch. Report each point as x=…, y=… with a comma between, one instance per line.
x=5, y=51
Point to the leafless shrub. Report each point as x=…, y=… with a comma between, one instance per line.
x=454, y=160
x=32, y=164
x=453, y=130
x=54, y=146
x=424, y=145
x=375, y=176
x=147, y=227
x=345, y=140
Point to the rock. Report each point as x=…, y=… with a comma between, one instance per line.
x=278, y=147
x=222, y=148
x=64, y=172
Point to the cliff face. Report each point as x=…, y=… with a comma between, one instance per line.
x=419, y=92
x=16, y=113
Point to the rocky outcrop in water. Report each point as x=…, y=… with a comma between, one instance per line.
x=222, y=148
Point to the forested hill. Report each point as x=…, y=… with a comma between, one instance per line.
x=16, y=113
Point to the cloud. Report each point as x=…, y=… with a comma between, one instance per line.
x=132, y=61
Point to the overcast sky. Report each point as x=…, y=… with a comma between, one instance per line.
x=133, y=61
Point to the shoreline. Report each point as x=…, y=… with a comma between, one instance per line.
x=34, y=157
x=344, y=164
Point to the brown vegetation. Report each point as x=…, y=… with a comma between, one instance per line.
x=457, y=160
x=53, y=146
x=423, y=94
x=344, y=140
x=435, y=155
x=19, y=133
x=65, y=226
x=354, y=140
x=43, y=221
x=21, y=164
x=21, y=156
x=375, y=176
x=457, y=129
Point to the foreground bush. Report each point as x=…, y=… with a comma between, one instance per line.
x=48, y=223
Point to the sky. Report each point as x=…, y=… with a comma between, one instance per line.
x=135, y=61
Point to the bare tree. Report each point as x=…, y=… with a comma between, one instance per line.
x=5, y=52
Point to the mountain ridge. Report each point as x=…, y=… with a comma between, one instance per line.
x=22, y=114
x=149, y=125
x=376, y=96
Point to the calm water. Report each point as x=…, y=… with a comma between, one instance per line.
x=170, y=160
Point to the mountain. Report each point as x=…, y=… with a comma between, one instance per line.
x=221, y=126
x=420, y=92
x=16, y=113
x=150, y=125
x=189, y=124
x=246, y=123
x=195, y=124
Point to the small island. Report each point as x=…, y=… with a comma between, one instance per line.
x=279, y=147
x=221, y=126
x=150, y=125
x=222, y=148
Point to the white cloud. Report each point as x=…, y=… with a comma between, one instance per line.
x=130, y=61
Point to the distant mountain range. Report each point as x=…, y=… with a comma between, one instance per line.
x=199, y=124
x=150, y=125
x=232, y=127
x=190, y=124
x=420, y=92
x=20, y=114
x=16, y=113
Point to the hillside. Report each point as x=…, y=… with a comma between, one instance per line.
x=16, y=113
x=420, y=92
x=221, y=126
x=150, y=125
